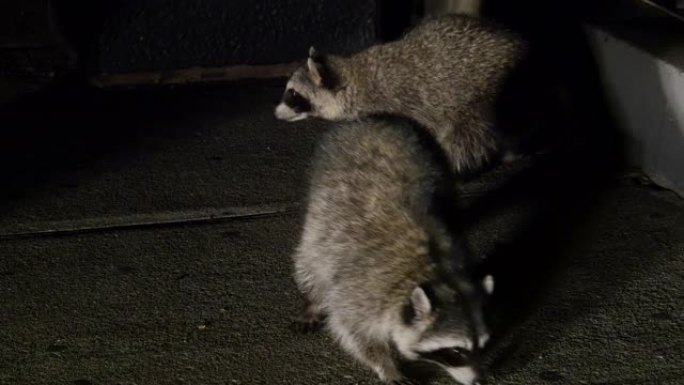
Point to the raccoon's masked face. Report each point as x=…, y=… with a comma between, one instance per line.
x=312, y=91
x=444, y=327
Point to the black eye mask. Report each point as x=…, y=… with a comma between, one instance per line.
x=453, y=357
x=296, y=101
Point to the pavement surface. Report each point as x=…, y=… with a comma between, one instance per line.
x=145, y=238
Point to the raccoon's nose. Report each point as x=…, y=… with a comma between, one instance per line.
x=478, y=380
x=482, y=340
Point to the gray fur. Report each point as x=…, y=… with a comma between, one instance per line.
x=445, y=74
x=373, y=245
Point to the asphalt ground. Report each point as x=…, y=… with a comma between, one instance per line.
x=145, y=237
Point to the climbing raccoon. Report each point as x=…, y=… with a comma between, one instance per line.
x=446, y=74
x=377, y=261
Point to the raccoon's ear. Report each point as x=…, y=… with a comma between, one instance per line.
x=320, y=72
x=488, y=284
x=315, y=71
x=315, y=66
x=420, y=303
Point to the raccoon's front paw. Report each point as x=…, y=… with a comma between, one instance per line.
x=393, y=377
x=309, y=321
x=306, y=326
x=511, y=157
x=403, y=381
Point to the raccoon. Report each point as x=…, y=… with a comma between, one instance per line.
x=376, y=260
x=445, y=74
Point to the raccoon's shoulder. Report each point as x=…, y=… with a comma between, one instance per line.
x=450, y=22
x=435, y=22
x=460, y=26
x=385, y=146
x=377, y=135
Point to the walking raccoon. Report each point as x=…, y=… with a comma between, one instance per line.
x=377, y=260
x=446, y=74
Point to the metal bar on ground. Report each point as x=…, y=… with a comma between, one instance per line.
x=161, y=219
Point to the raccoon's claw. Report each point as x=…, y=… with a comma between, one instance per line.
x=302, y=325
x=310, y=320
x=404, y=381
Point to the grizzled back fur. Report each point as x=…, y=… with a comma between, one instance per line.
x=377, y=257
x=446, y=74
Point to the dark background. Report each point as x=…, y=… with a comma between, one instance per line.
x=145, y=231
x=116, y=36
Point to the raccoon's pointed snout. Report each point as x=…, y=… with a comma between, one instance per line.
x=284, y=112
x=281, y=112
x=465, y=375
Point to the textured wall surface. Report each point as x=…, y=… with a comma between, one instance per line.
x=646, y=94
x=170, y=34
